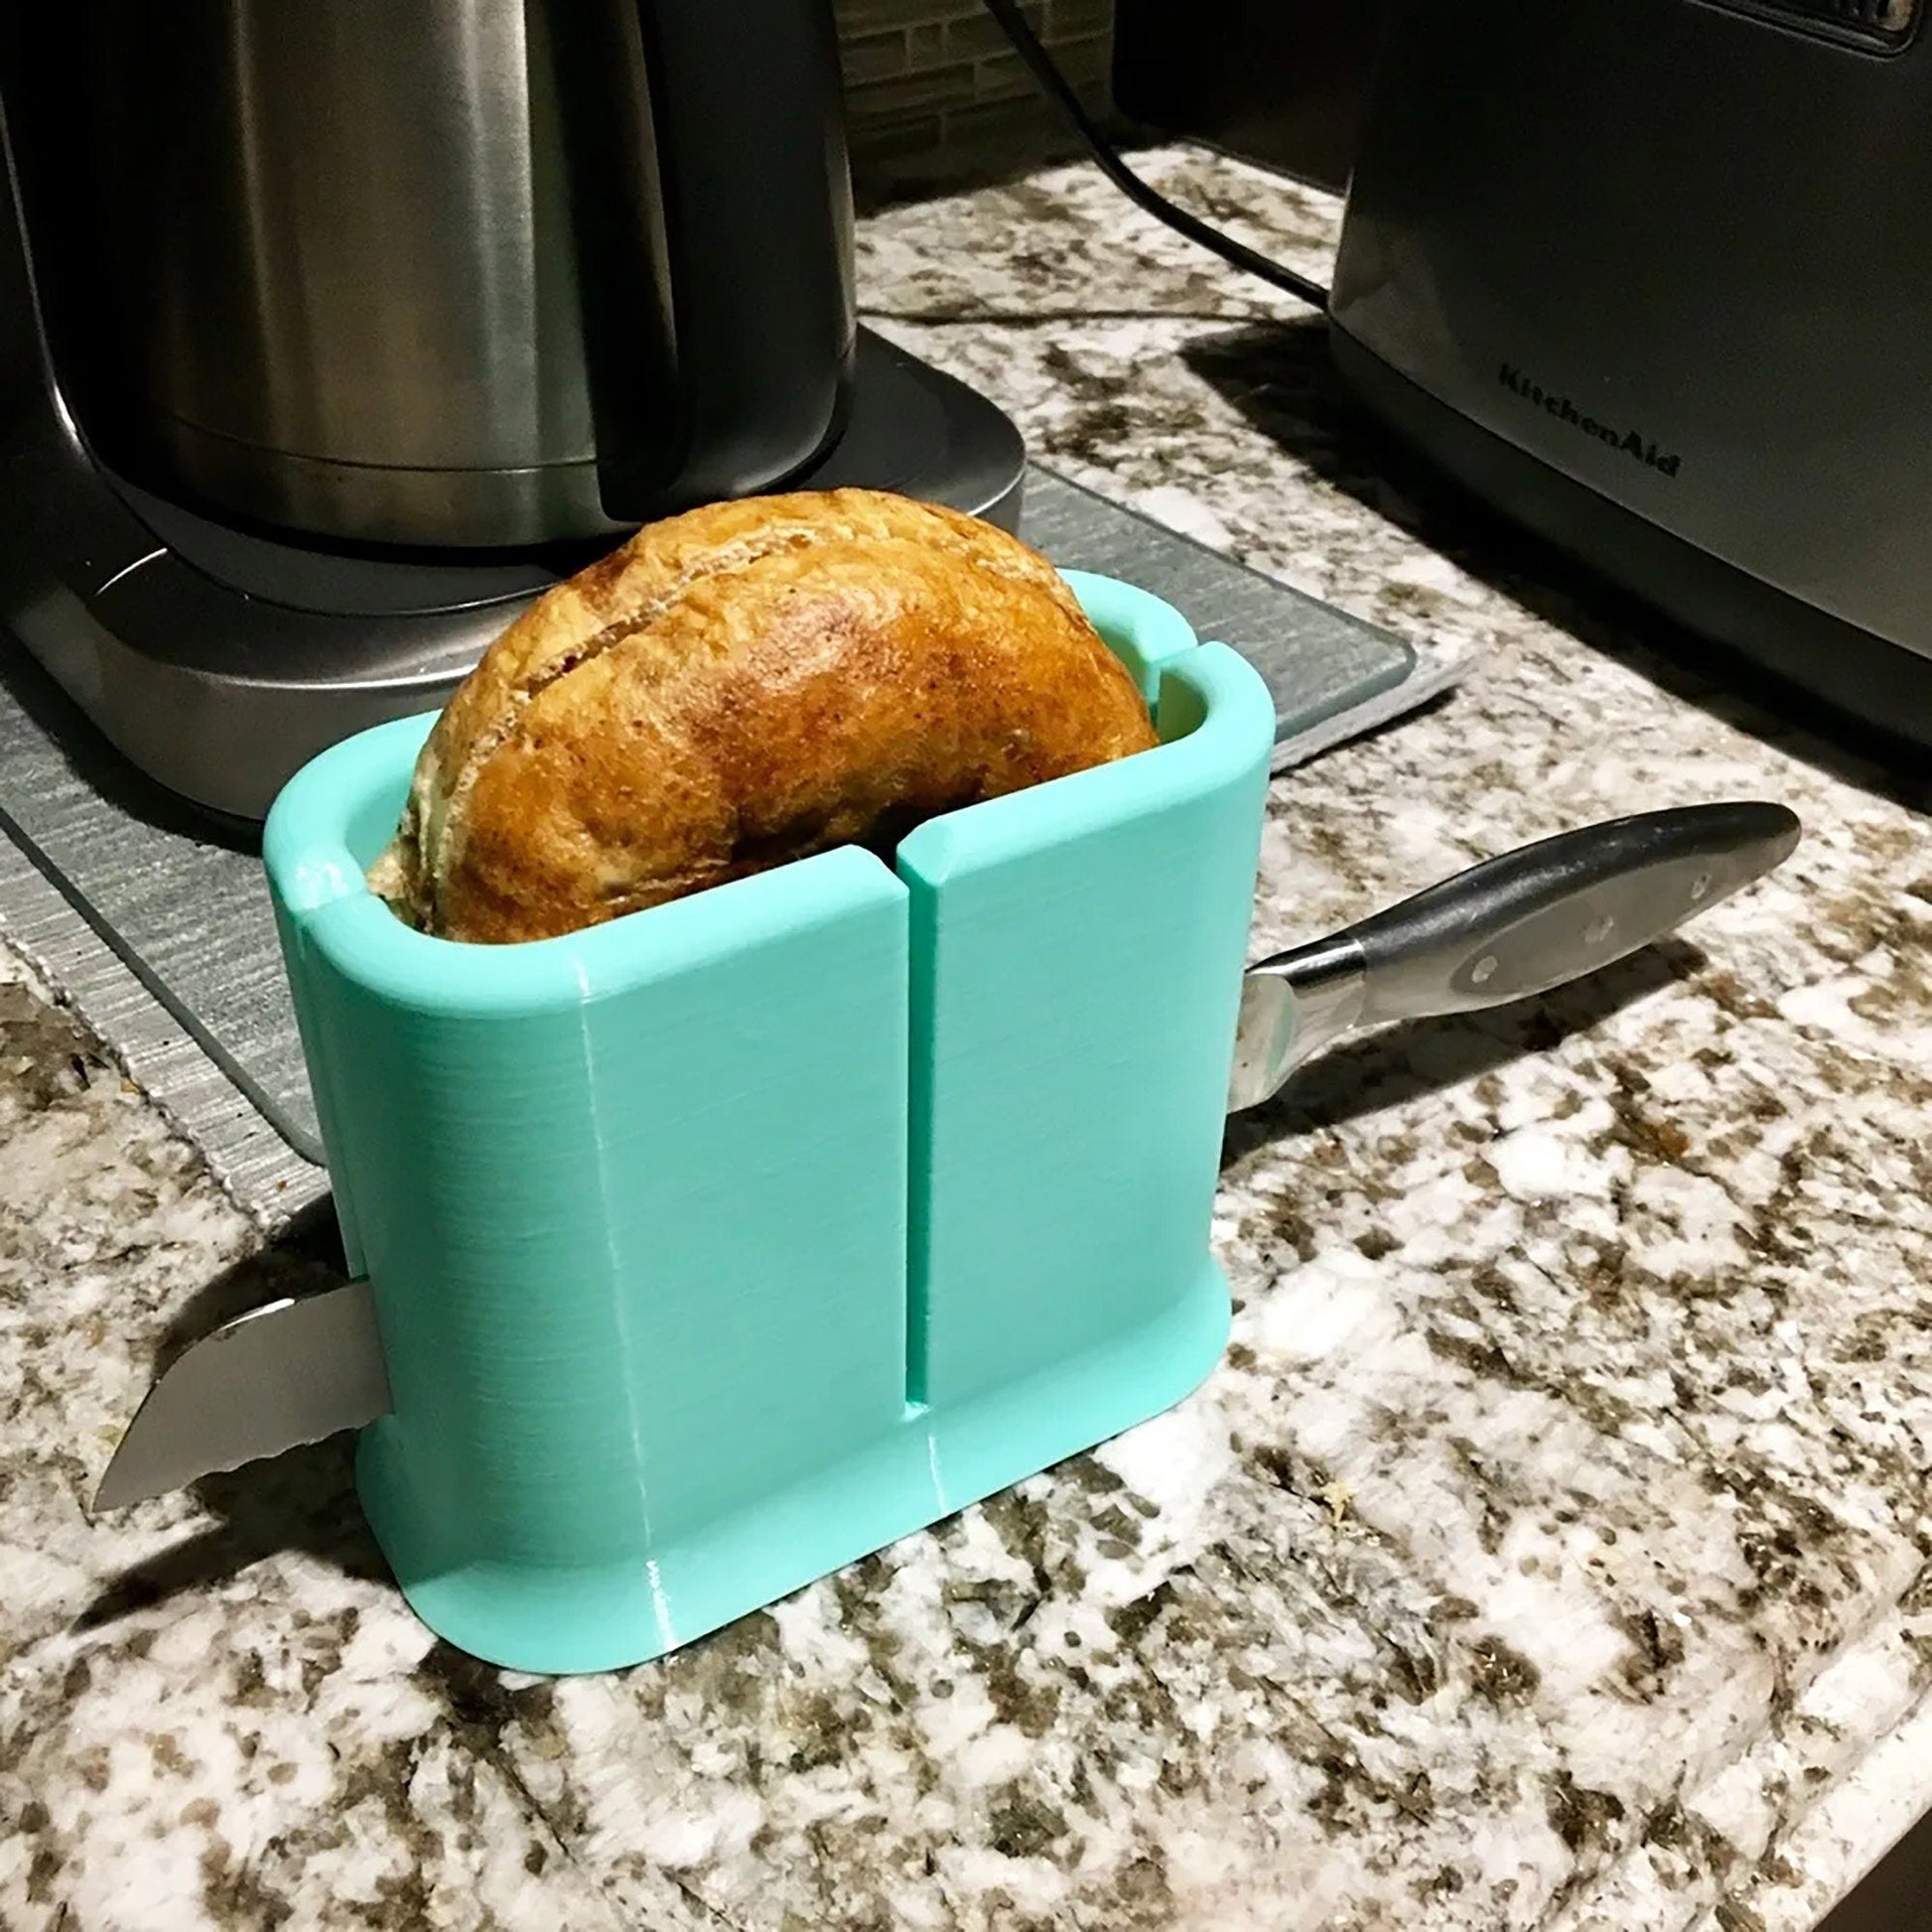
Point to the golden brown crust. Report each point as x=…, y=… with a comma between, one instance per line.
x=742, y=686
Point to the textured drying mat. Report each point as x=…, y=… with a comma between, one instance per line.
x=161, y=936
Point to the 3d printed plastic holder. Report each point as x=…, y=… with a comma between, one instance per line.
x=719, y=1245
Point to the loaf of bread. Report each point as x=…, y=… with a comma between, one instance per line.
x=742, y=686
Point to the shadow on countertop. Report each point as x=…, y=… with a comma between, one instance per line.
x=1280, y=377
x=303, y=1499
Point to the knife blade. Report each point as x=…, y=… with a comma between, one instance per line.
x=301, y=1368
x=291, y=1372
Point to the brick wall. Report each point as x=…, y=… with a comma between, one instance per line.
x=936, y=95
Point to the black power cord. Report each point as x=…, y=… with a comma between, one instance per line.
x=1054, y=83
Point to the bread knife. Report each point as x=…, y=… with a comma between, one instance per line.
x=303, y=1367
x=1506, y=929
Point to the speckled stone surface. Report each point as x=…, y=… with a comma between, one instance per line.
x=1551, y=1551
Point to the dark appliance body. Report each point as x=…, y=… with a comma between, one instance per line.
x=1651, y=275
x=1286, y=86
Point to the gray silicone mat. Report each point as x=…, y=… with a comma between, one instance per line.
x=1319, y=661
x=157, y=929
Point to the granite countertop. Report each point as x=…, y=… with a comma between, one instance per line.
x=1551, y=1550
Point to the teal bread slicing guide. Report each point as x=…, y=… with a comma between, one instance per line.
x=717, y=1246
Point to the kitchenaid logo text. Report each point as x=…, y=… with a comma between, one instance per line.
x=1564, y=411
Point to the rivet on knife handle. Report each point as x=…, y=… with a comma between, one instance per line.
x=1507, y=929
x=290, y=1371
